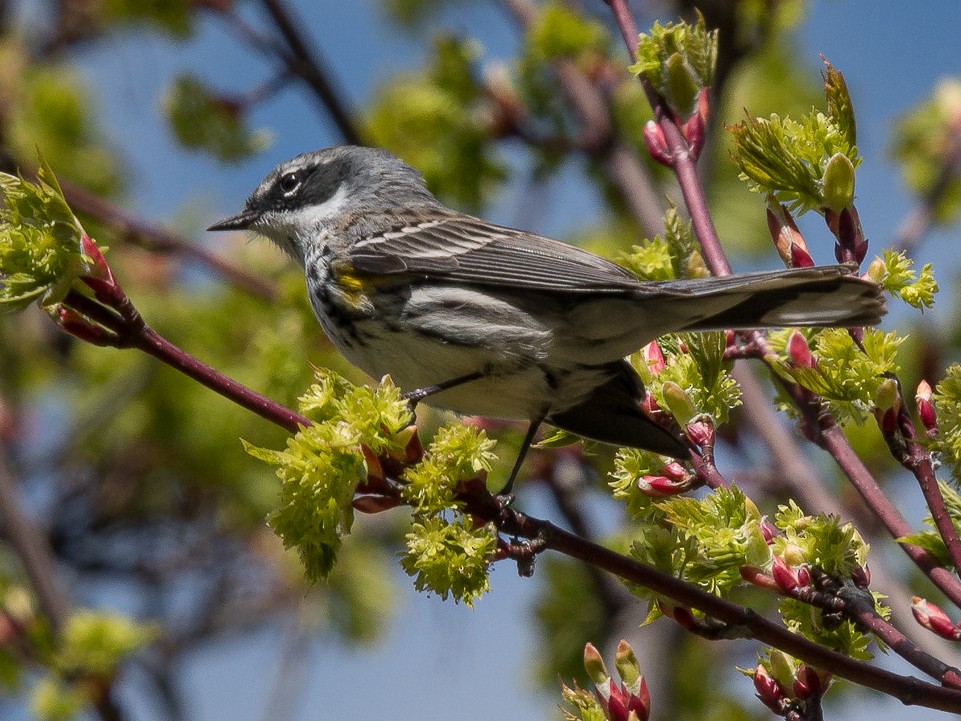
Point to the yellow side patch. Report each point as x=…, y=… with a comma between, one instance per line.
x=349, y=284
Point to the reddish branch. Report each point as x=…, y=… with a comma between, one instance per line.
x=127, y=329
x=111, y=320
x=683, y=161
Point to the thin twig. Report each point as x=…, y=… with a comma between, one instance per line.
x=146, y=339
x=624, y=164
x=684, y=163
x=909, y=690
x=311, y=67
x=32, y=548
x=817, y=417
x=812, y=494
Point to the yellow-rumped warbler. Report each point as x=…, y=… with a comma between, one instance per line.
x=498, y=322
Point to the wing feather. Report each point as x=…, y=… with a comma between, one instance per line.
x=472, y=251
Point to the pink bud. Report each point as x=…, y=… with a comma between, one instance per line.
x=887, y=421
x=681, y=614
x=92, y=251
x=799, y=352
x=768, y=690
x=768, y=530
x=787, y=237
x=77, y=325
x=413, y=450
x=661, y=486
x=803, y=576
x=934, y=619
x=800, y=257
x=757, y=577
x=785, y=575
x=861, y=576
x=693, y=131
x=657, y=144
x=810, y=682
x=594, y=665
x=926, y=412
x=676, y=472
x=653, y=357
x=701, y=432
x=694, y=127
x=375, y=471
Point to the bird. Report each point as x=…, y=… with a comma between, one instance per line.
x=492, y=321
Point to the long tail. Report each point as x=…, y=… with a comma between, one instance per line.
x=822, y=296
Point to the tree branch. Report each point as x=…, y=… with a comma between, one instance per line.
x=311, y=67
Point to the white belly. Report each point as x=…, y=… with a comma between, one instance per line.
x=427, y=336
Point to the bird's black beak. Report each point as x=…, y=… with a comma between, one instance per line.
x=241, y=221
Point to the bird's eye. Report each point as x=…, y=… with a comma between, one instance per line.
x=289, y=182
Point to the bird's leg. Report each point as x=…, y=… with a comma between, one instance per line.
x=525, y=446
x=418, y=394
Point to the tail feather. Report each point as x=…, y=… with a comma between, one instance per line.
x=612, y=414
x=824, y=296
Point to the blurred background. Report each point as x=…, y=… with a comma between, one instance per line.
x=160, y=117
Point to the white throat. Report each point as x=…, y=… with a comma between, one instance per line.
x=296, y=231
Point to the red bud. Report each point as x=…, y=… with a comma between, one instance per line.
x=768, y=690
x=784, y=575
x=701, y=432
x=799, y=352
x=768, y=530
x=676, y=472
x=661, y=486
x=934, y=619
x=926, y=412
x=657, y=144
x=77, y=325
x=653, y=357
x=757, y=577
x=787, y=237
x=695, y=125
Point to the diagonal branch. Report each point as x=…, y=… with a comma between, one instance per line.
x=311, y=67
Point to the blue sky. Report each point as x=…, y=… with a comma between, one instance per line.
x=441, y=660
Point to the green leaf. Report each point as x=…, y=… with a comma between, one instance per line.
x=840, y=107
x=40, y=242
x=822, y=540
x=678, y=60
x=450, y=558
x=324, y=463
x=204, y=120
x=559, y=31
x=789, y=158
x=947, y=403
x=916, y=288
x=694, y=362
x=435, y=120
x=922, y=143
x=457, y=454
x=649, y=260
x=844, y=376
